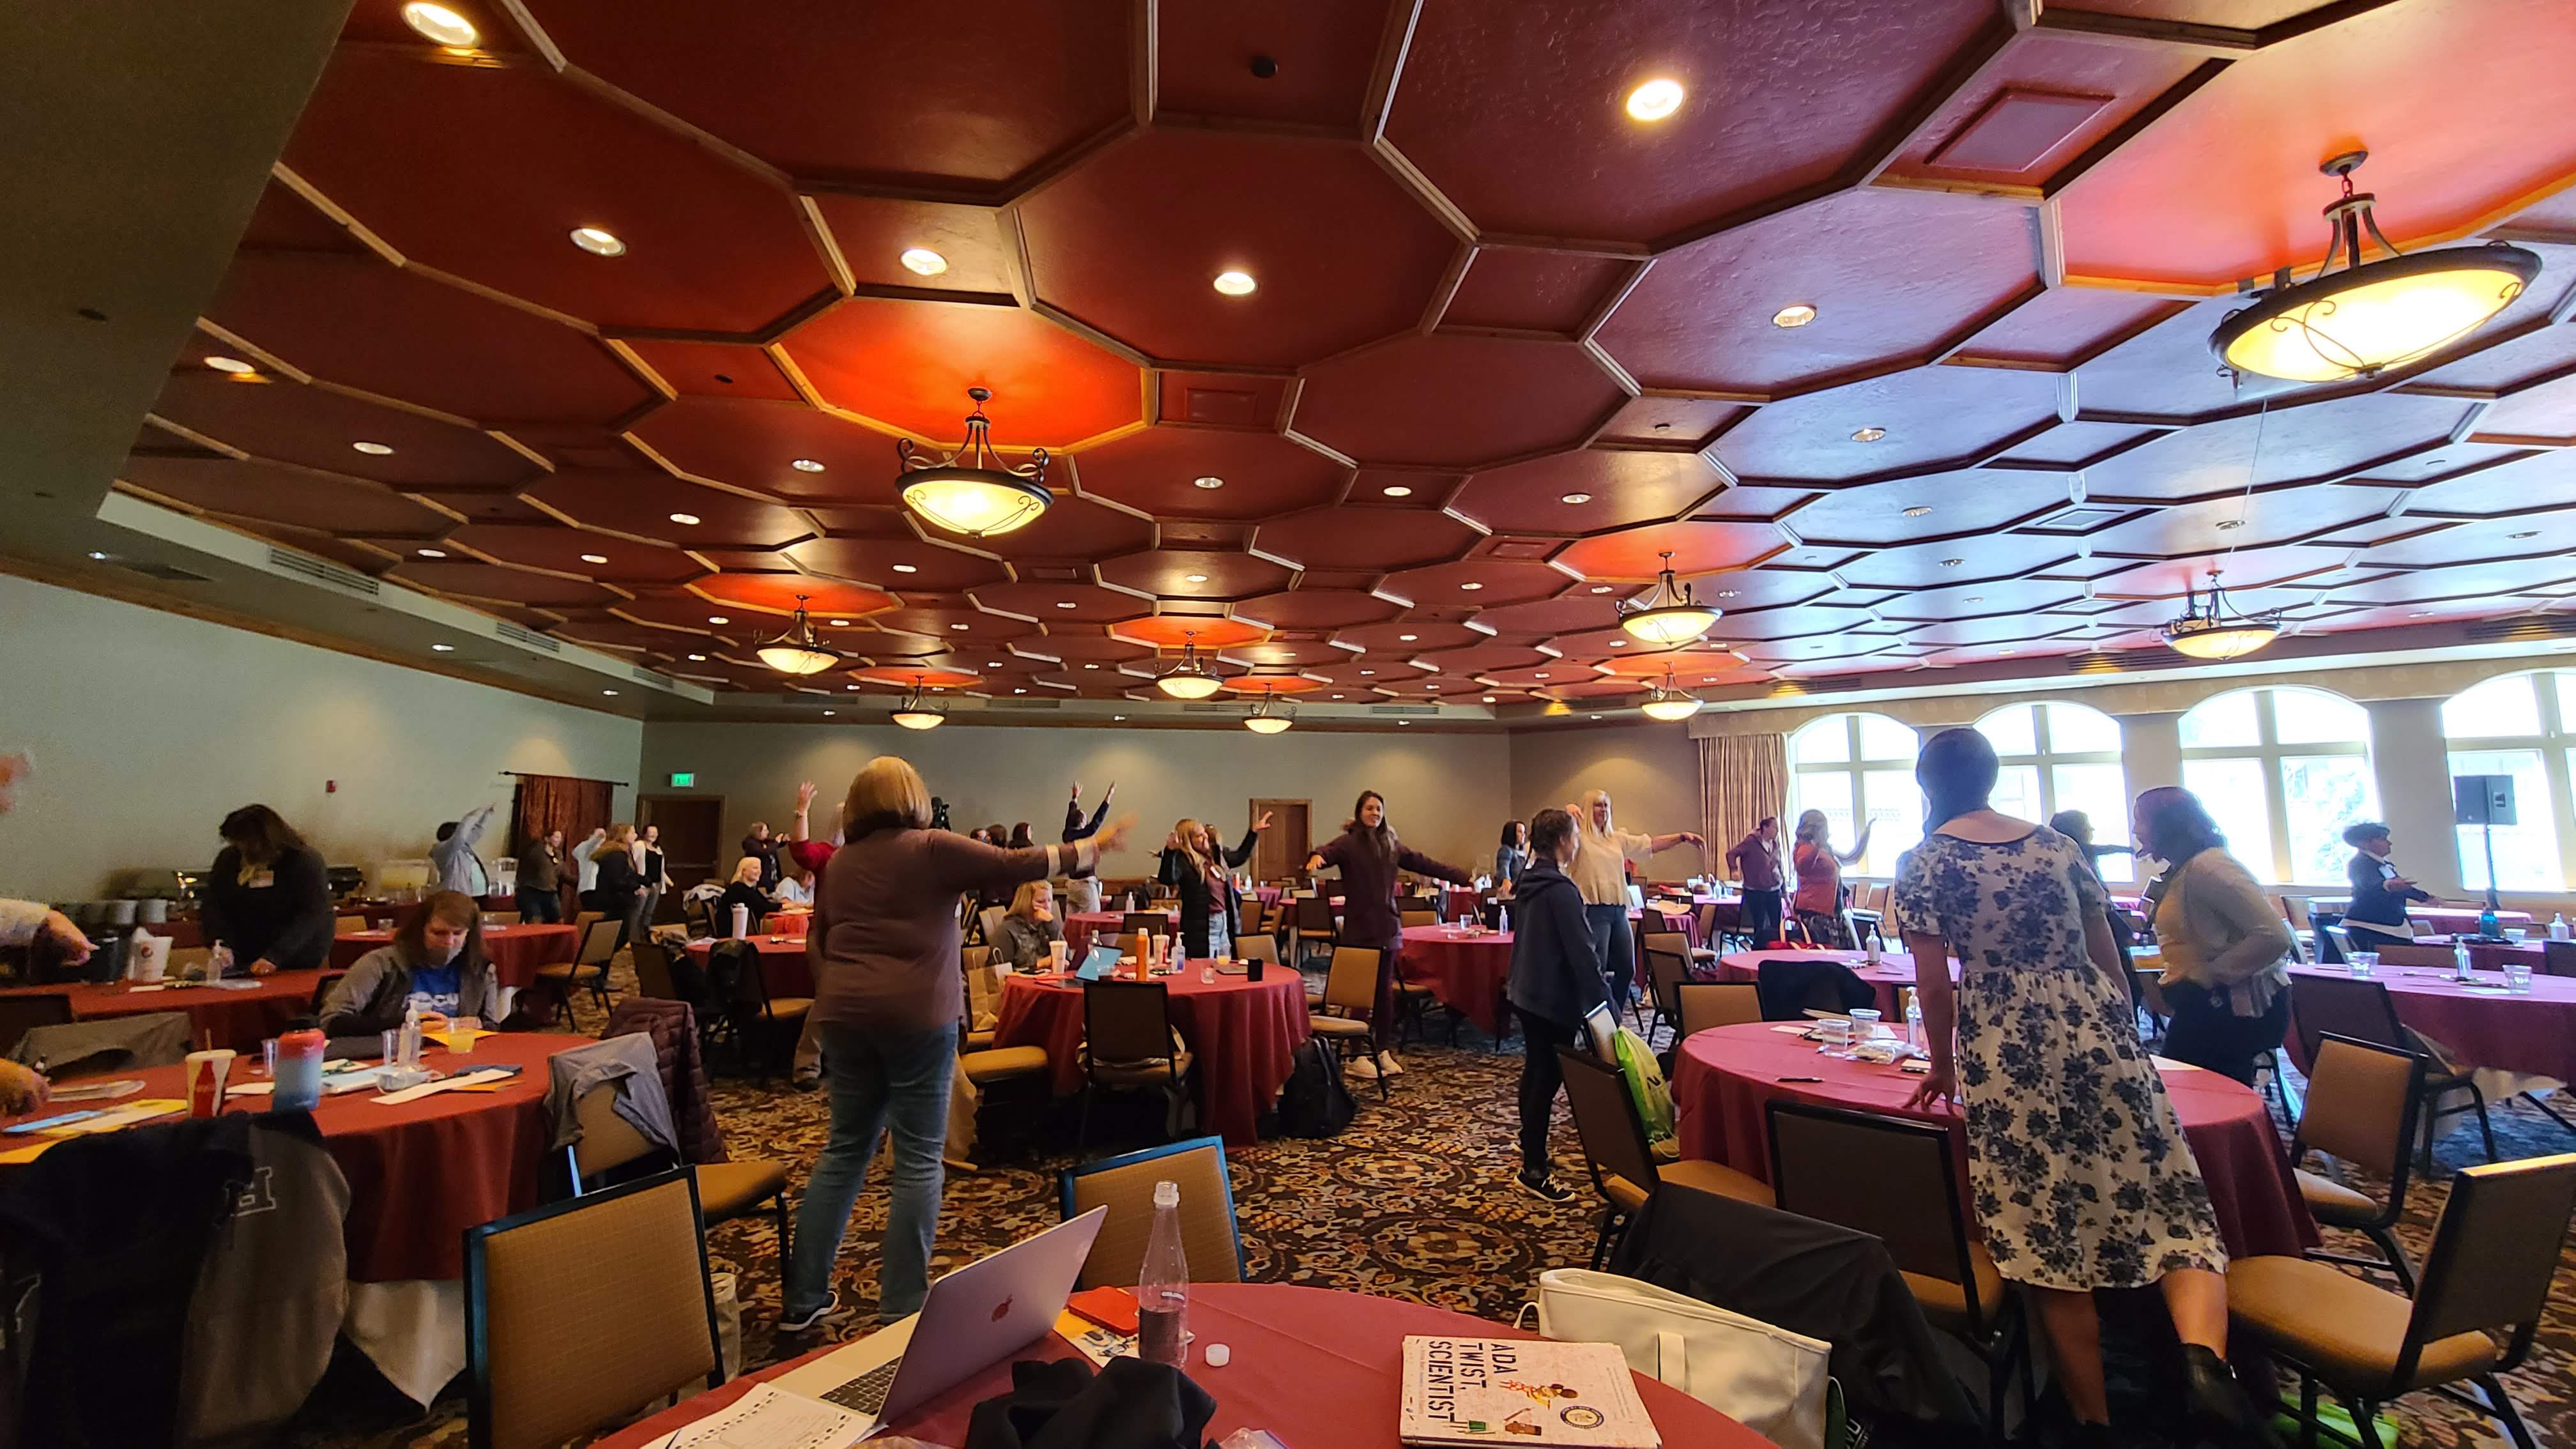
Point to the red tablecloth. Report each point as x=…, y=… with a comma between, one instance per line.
x=786, y=923
x=1267, y=895
x=421, y=1173
x=516, y=951
x=1079, y=926
x=1321, y=1370
x=785, y=969
x=1459, y=903
x=1465, y=972
x=1725, y=1074
x=2484, y=1025
x=1894, y=972
x=240, y=1020
x=1242, y=1033
x=2492, y=955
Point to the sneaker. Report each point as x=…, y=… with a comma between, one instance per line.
x=830, y=1315
x=1362, y=1068
x=1387, y=1065
x=805, y=1081
x=1543, y=1187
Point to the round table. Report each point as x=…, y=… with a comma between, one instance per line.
x=2481, y=1025
x=1243, y=1033
x=1465, y=971
x=1079, y=926
x=1893, y=973
x=1314, y=1367
x=1726, y=1074
x=516, y=951
x=2491, y=955
x=239, y=1019
x=785, y=968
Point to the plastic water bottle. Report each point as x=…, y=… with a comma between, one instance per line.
x=2558, y=926
x=407, y=1047
x=2460, y=962
x=1872, y=947
x=1163, y=1287
x=1914, y=1021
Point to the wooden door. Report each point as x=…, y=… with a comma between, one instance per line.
x=1286, y=844
x=692, y=826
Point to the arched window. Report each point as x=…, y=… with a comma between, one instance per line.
x=2283, y=771
x=1857, y=767
x=2522, y=725
x=2063, y=757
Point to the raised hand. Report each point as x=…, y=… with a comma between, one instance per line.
x=1261, y=824
x=804, y=796
x=1077, y=789
x=1113, y=836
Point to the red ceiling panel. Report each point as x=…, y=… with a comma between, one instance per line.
x=1196, y=574
x=1340, y=253
x=1063, y=646
x=1688, y=666
x=572, y=551
x=1456, y=401
x=1672, y=422
x=1364, y=538
x=1368, y=672
x=1076, y=530
x=317, y=428
x=1318, y=609
x=2066, y=325
x=826, y=93
x=2315, y=441
x=1410, y=638
x=1891, y=274
x=758, y=445
x=1533, y=138
x=1320, y=55
x=644, y=504
x=1257, y=475
x=1497, y=582
x=1222, y=399
x=1930, y=416
x=1046, y=602
x=291, y=496
x=825, y=600
x=898, y=564
x=286, y=222
x=1934, y=505
x=358, y=322
x=1482, y=658
x=1635, y=555
x=908, y=365
x=2037, y=107
x=1587, y=491
x=469, y=579
x=1544, y=619
x=1523, y=289
x=1554, y=675
x=874, y=233
x=715, y=369
x=1172, y=631
x=1287, y=653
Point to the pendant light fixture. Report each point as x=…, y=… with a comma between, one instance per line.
x=2371, y=316
x=970, y=491
x=917, y=712
x=1669, y=701
x=1270, y=715
x=797, y=651
x=1670, y=615
x=2218, y=631
x=1193, y=677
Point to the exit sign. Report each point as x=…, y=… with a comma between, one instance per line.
x=684, y=779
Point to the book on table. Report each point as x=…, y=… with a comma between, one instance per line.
x=1465, y=1391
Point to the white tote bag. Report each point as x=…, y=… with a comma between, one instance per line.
x=1769, y=1379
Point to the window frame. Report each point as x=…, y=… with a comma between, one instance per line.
x=2556, y=745
x=2270, y=753
x=1852, y=768
x=2045, y=760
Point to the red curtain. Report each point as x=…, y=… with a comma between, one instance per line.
x=558, y=802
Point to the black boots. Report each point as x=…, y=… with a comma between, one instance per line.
x=2221, y=1411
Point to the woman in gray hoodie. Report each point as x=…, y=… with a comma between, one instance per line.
x=435, y=958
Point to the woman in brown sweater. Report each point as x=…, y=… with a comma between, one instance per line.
x=888, y=990
x=1368, y=856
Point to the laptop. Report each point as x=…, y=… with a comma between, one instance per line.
x=1098, y=962
x=992, y=1307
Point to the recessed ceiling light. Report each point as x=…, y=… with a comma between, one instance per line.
x=431, y=552
x=1193, y=578
x=1091, y=666
x=1917, y=511
x=1869, y=435
x=1066, y=604
x=1596, y=716
x=2003, y=651
x=2228, y=525
x=1600, y=588
x=1431, y=689
x=1209, y=482
x=840, y=623
x=697, y=659
x=1618, y=643
x=994, y=664
x=718, y=619
x=685, y=520
x=1542, y=675
x=1656, y=99
x=1489, y=699
x=1576, y=498
x=827, y=714
x=594, y=558
x=1974, y=599
x=438, y=24
x=442, y=648
x=2526, y=533
x=806, y=465
x=1367, y=673
x=610, y=693
x=1406, y=638
x=1235, y=284
x=1337, y=696
x=1796, y=314
x=2421, y=614
x=373, y=450
x=849, y=686
x=1951, y=563
x=959, y=627
x=1728, y=593
x=906, y=569
x=1408, y=724
x=96, y=555
x=229, y=364
x=923, y=262
x=1119, y=718
x=1399, y=491
x=598, y=243
x=1019, y=691
x=1470, y=586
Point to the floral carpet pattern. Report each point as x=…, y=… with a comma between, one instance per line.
x=1415, y=1200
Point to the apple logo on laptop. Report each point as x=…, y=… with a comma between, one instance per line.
x=1001, y=1310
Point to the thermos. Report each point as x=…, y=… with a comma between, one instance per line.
x=299, y=1070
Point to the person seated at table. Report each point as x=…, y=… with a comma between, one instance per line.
x=458, y=865
x=541, y=879
x=1030, y=932
x=1021, y=838
x=268, y=897
x=1819, y=897
x=435, y=961
x=744, y=891
x=1603, y=853
x=1369, y=857
x=2226, y=949
x=1756, y=862
x=795, y=886
x=2079, y=1169
x=2380, y=894
x=1200, y=874
x=1555, y=982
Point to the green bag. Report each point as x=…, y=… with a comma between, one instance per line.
x=1646, y=1086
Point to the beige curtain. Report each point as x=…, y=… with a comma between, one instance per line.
x=1741, y=779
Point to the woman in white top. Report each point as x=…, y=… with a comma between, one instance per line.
x=1601, y=857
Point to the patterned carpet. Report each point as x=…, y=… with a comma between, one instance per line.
x=1415, y=1200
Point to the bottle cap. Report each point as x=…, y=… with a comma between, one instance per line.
x=1218, y=1355
x=1167, y=1194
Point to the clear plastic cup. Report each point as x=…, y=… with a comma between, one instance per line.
x=2517, y=976
x=1838, y=1034
x=2362, y=963
x=1867, y=1025
x=268, y=1059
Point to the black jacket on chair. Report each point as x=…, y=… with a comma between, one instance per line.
x=1555, y=972
x=1788, y=985
x=1198, y=899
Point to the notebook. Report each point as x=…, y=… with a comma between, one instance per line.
x=1462, y=1391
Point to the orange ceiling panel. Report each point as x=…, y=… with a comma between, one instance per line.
x=908, y=365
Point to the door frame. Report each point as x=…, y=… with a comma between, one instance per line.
x=644, y=816
x=1293, y=862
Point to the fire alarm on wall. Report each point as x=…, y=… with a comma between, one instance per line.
x=330, y=787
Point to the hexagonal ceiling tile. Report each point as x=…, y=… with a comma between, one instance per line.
x=1339, y=253
x=1636, y=555
x=1206, y=574
x=573, y=551
x=290, y=496
x=1925, y=419
x=317, y=427
x=907, y=365
x=1063, y=603
x=765, y=446
x=1167, y=471
x=1364, y=538
x=899, y=564
x=1410, y=638
x=469, y=579
x=641, y=503
x=1933, y=505
x=1456, y=401
x=1495, y=582
x=1318, y=609
x=1587, y=491
x=1936, y=565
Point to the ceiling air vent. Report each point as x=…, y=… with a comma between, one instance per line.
x=2124, y=661
x=647, y=676
x=322, y=571
x=2523, y=629
x=166, y=573
x=1213, y=706
x=1024, y=704
x=526, y=638
x=2083, y=518
x=1417, y=711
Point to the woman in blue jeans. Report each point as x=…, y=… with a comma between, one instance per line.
x=888, y=992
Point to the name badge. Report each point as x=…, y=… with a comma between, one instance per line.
x=263, y=880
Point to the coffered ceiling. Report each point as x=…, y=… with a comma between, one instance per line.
x=1506, y=347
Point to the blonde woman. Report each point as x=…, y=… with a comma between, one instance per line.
x=744, y=891
x=1819, y=869
x=1202, y=876
x=1030, y=931
x=1600, y=872
x=887, y=997
x=620, y=892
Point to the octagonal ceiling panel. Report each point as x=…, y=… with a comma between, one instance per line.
x=908, y=364
x=520, y=159
x=1177, y=573
x=1045, y=77
x=466, y=578
x=1448, y=401
x=354, y=320
x=2317, y=440
x=1158, y=470
x=2018, y=598
x=1799, y=622
x=1341, y=254
x=573, y=551
x=1275, y=681
x=2261, y=521
x=2445, y=611
x=1689, y=667
x=1172, y=631
x=2523, y=535
x=1075, y=530
x=2247, y=569
x=827, y=601
x=1318, y=609
x=925, y=676
x=1891, y=274
x=1587, y=491
x=1062, y=645
x=1520, y=289
x=1756, y=589
x=316, y=427
x=2064, y=326
x=641, y=503
x=2077, y=445
x=1368, y=539
x=1534, y=139
x=1636, y=555
x=1046, y=602
x=1959, y=561
x=1546, y=618
x=1671, y=422
x=2544, y=414
x=1323, y=55
x=2539, y=480
x=1555, y=674
x=898, y=564
x=1932, y=505
x=759, y=445
x=2036, y=108
x=290, y=496
x=1496, y=582
x=1368, y=672
x=1828, y=654
x=1754, y=504
x=873, y=234
x=1928, y=417
x=2467, y=581
x=715, y=369
x=1287, y=653
x=1411, y=638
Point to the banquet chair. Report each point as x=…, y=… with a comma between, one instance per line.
x=539, y=1285
x=1128, y=1044
x=1409, y=918
x=2487, y=1273
x=500, y=918
x=1897, y=1180
x=754, y=1010
x=587, y=969
x=1415, y=1001
x=2362, y=1102
x=2393, y=954
x=347, y=925
x=106, y=1044
x=2294, y=909
x=1667, y=969
x=653, y=976
x=1349, y=1000
x=610, y=1145
x=581, y=919
x=1622, y=1161
x=983, y=997
x=2365, y=1012
x=1261, y=948
x=1152, y=923
x=1210, y=1239
x=1315, y=926
x=21, y=1014
x=1705, y=1004
x=1794, y=985
x=2558, y=958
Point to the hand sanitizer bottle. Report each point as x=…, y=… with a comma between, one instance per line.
x=2460, y=962
x=2558, y=926
x=1873, y=947
x=407, y=1046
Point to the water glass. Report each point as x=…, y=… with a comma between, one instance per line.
x=2517, y=976
x=392, y=1037
x=268, y=1059
x=1838, y=1035
x=2363, y=963
x=1866, y=1025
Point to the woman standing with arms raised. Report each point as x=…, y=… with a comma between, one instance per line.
x=1368, y=856
x=888, y=992
x=2081, y=1175
x=1819, y=896
x=1201, y=874
x=1600, y=871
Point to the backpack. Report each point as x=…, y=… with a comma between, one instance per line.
x=1314, y=1102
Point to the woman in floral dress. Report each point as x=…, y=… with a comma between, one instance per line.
x=2081, y=1177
